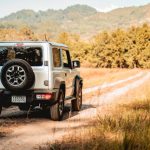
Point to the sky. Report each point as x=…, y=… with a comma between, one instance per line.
x=9, y=6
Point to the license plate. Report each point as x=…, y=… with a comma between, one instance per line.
x=18, y=99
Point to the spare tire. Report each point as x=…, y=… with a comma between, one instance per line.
x=16, y=75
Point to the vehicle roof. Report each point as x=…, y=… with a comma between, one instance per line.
x=51, y=43
x=58, y=44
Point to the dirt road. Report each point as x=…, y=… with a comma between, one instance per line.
x=40, y=130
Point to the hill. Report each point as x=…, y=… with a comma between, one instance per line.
x=80, y=19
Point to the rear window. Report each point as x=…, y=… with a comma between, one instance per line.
x=33, y=55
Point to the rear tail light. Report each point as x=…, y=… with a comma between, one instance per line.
x=44, y=96
x=19, y=44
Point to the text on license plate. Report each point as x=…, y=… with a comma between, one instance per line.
x=18, y=99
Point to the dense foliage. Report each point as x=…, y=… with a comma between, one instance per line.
x=120, y=48
x=128, y=48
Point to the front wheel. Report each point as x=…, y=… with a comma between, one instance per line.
x=57, y=110
x=77, y=103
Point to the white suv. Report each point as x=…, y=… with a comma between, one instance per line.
x=39, y=74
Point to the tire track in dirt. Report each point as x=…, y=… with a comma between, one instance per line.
x=106, y=85
x=32, y=135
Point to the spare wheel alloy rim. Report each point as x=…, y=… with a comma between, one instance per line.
x=15, y=75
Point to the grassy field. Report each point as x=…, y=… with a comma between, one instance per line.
x=128, y=128
x=93, y=77
x=125, y=127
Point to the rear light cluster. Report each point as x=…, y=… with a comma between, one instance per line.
x=44, y=96
x=19, y=44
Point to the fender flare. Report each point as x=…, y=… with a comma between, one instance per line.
x=59, y=83
x=79, y=79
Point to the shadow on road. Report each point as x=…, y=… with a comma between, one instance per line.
x=39, y=114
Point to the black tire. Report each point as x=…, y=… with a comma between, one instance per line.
x=77, y=103
x=57, y=110
x=15, y=75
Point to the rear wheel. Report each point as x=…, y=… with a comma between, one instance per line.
x=77, y=103
x=57, y=110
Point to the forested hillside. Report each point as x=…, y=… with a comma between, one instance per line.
x=81, y=19
x=123, y=48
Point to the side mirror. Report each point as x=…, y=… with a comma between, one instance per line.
x=76, y=64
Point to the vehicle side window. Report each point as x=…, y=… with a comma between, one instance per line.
x=66, y=59
x=56, y=57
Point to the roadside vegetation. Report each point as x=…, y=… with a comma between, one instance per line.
x=127, y=128
x=121, y=48
x=118, y=49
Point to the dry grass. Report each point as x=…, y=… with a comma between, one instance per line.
x=93, y=77
x=126, y=127
x=127, y=130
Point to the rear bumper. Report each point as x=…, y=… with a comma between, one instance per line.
x=6, y=97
